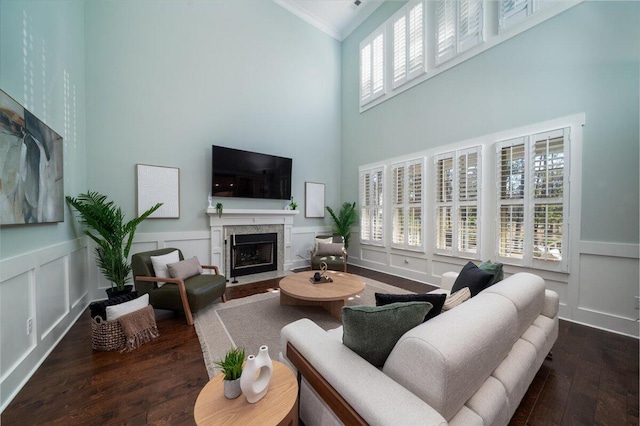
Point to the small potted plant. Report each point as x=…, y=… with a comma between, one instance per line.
x=219, y=208
x=231, y=367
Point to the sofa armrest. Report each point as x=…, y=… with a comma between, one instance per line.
x=447, y=280
x=551, y=304
x=367, y=391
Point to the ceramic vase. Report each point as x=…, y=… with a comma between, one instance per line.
x=254, y=389
x=232, y=388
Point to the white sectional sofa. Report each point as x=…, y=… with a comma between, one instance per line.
x=468, y=366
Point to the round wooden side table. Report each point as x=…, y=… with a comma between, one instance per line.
x=278, y=407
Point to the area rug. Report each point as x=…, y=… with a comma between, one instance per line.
x=253, y=321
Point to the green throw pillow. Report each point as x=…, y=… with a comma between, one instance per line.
x=495, y=269
x=372, y=331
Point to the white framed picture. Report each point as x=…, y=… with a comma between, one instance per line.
x=158, y=184
x=313, y=199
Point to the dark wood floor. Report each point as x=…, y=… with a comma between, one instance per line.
x=592, y=379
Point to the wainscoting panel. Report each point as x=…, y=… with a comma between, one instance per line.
x=378, y=257
x=50, y=286
x=52, y=295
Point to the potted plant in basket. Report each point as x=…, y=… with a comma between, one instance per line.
x=105, y=224
x=231, y=367
x=343, y=221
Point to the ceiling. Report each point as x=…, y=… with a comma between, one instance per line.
x=338, y=18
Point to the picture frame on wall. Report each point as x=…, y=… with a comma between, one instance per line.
x=313, y=199
x=31, y=167
x=158, y=184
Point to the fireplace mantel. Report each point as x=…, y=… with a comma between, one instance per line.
x=240, y=217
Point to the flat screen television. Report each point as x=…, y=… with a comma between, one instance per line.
x=245, y=174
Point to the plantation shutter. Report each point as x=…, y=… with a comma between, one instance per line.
x=444, y=203
x=548, y=193
x=414, y=201
x=446, y=31
x=470, y=24
x=377, y=194
x=372, y=67
x=512, y=193
x=416, y=39
x=399, y=50
x=511, y=11
x=398, y=174
x=365, y=206
x=467, y=198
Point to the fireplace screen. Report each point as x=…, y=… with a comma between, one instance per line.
x=253, y=253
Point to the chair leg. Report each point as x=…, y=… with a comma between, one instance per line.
x=550, y=356
x=224, y=297
x=185, y=303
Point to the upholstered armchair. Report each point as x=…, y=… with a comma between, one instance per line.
x=331, y=251
x=174, y=287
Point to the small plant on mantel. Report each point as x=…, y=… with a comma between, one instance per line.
x=231, y=366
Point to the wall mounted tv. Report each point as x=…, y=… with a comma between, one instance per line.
x=245, y=174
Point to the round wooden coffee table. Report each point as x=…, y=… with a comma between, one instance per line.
x=278, y=407
x=297, y=290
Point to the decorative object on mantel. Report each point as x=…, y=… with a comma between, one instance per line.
x=313, y=199
x=219, y=208
x=32, y=184
x=343, y=221
x=210, y=200
x=231, y=367
x=293, y=204
x=255, y=390
x=158, y=184
x=112, y=236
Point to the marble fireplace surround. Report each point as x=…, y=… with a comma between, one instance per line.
x=250, y=221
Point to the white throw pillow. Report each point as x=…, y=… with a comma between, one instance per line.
x=160, y=264
x=323, y=241
x=115, y=311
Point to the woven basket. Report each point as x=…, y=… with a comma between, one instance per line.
x=107, y=335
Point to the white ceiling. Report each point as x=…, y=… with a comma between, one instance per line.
x=338, y=18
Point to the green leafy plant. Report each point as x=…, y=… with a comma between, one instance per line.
x=231, y=365
x=105, y=224
x=293, y=205
x=219, y=208
x=343, y=221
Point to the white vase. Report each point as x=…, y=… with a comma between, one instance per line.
x=254, y=389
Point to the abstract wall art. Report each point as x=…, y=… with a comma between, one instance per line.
x=158, y=184
x=31, y=167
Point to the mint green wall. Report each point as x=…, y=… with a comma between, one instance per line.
x=41, y=45
x=583, y=60
x=166, y=80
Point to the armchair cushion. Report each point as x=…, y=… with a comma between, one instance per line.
x=185, y=268
x=201, y=291
x=331, y=249
x=160, y=264
x=321, y=240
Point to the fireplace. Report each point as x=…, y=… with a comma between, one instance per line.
x=253, y=253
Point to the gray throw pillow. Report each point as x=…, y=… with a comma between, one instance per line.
x=372, y=331
x=185, y=269
x=332, y=249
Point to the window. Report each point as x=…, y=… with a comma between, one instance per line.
x=407, y=204
x=407, y=29
x=372, y=67
x=372, y=205
x=533, y=199
x=513, y=11
x=458, y=203
x=458, y=27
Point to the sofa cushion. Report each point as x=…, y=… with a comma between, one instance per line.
x=473, y=277
x=490, y=402
x=185, y=269
x=437, y=300
x=445, y=360
x=516, y=372
x=372, y=331
x=493, y=268
x=526, y=292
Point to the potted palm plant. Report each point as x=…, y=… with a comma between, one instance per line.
x=105, y=224
x=231, y=367
x=343, y=221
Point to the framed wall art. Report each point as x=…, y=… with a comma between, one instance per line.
x=313, y=199
x=31, y=167
x=158, y=184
